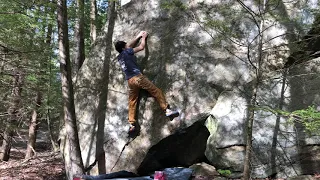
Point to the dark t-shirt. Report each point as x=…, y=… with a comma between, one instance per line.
x=128, y=63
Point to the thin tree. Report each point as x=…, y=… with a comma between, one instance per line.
x=256, y=85
x=79, y=37
x=33, y=126
x=291, y=36
x=13, y=110
x=93, y=20
x=48, y=114
x=73, y=163
x=103, y=95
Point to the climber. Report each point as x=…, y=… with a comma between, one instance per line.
x=136, y=80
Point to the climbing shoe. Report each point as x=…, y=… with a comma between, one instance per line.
x=171, y=113
x=132, y=128
x=133, y=131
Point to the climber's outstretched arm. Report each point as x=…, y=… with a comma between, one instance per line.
x=142, y=44
x=133, y=43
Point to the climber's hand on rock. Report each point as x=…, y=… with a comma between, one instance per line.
x=145, y=34
x=141, y=34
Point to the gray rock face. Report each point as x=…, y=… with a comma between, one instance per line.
x=171, y=69
x=225, y=146
x=204, y=169
x=196, y=77
x=302, y=177
x=279, y=149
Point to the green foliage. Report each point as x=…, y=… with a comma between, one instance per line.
x=23, y=32
x=173, y=4
x=102, y=7
x=309, y=117
x=224, y=172
x=32, y=78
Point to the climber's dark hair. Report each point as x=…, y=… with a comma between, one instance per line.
x=119, y=45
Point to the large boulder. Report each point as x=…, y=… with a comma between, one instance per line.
x=280, y=149
x=197, y=77
x=185, y=83
x=226, y=146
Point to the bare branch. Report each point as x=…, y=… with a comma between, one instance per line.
x=262, y=32
x=252, y=14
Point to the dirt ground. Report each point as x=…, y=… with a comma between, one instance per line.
x=45, y=166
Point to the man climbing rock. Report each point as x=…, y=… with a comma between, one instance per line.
x=136, y=80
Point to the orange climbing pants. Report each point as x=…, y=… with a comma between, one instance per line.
x=141, y=82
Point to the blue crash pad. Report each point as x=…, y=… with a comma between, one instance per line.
x=171, y=174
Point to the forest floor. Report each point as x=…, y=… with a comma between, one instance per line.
x=44, y=166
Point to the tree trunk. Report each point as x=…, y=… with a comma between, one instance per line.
x=54, y=145
x=292, y=27
x=73, y=163
x=102, y=106
x=79, y=37
x=48, y=42
x=6, y=144
x=247, y=160
x=11, y=122
x=93, y=21
x=33, y=127
x=253, y=100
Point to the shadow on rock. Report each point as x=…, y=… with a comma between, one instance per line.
x=183, y=148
